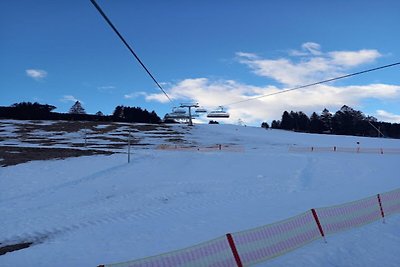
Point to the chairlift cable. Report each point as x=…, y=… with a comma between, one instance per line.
x=316, y=83
x=128, y=46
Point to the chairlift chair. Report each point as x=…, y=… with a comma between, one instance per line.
x=178, y=110
x=218, y=113
x=201, y=110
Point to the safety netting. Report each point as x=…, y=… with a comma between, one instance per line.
x=391, y=202
x=349, y=215
x=259, y=244
x=372, y=150
x=216, y=253
x=256, y=245
x=211, y=148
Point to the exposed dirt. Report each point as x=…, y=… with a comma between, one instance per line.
x=10, y=155
x=23, y=141
x=14, y=247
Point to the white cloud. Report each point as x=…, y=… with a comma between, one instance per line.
x=247, y=55
x=387, y=116
x=212, y=94
x=312, y=48
x=353, y=58
x=316, y=66
x=308, y=49
x=106, y=88
x=313, y=66
x=134, y=95
x=36, y=74
x=69, y=98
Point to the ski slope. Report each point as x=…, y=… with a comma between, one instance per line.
x=99, y=209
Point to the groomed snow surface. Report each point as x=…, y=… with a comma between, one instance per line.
x=99, y=209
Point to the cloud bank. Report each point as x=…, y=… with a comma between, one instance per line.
x=387, y=116
x=307, y=65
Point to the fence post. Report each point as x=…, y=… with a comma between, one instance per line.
x=129, y=146
x=381, y=208
x=321, y=231
x=85, y=137
x=234, y=250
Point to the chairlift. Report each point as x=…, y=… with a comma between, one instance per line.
x=177, y=110
x=177, y=114
x=201, y=110
x=218, y=113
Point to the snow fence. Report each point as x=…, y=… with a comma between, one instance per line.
x=256, y=245
x=370, y=150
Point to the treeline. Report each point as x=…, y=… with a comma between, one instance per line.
x=36, y=111
x=345, y=121
x=135, y=114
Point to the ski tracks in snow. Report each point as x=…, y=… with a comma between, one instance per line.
x=190, y=197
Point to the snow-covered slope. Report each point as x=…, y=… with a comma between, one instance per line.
x=99, y=209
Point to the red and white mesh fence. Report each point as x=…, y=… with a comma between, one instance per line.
x=371, y=150
x=391, y=202
x=349, y=215
x=252, y=246
x=216, y=253
x=265, y=242
x=231, y=148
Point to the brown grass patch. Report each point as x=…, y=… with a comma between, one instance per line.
x=10, y=155
x=11, y=248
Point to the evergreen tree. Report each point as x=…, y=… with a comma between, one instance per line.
x=295, y=120
x=287, y=122
x=77, y=108
x=348, y=121
x=316, y=124
x=28, y=110
x=264, y=125
x=326, y=118
x=303, y=122
x=276, y=124
x=118, y=113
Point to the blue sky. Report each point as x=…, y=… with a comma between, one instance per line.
x=213, y=52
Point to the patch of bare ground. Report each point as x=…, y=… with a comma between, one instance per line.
x=67, y=126
x=39, y=138
x=176, y=140
x=10, y=155
x=14, y=247
x=148, y=127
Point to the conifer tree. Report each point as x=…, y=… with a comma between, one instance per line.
x=77, y=108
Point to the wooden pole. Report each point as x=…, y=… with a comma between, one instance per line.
x=85, y=137
x=129, y=146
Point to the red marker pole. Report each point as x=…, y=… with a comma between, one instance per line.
x=321, y=231
x=381, y=208
x=234, y=250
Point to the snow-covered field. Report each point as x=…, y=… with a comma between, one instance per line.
x=99, y=209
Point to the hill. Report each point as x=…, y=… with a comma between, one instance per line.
x=88, y=210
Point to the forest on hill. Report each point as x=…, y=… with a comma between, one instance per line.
x=36, y=111
x=346, y=121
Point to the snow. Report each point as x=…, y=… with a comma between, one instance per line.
x=100, y=209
